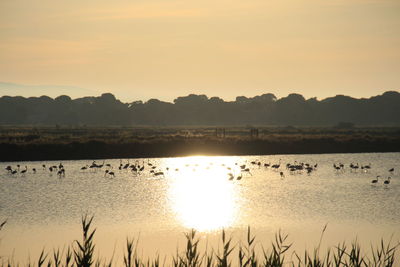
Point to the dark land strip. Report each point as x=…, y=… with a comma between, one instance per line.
x=175, y=147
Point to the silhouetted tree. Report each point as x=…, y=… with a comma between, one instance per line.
x=194, y=109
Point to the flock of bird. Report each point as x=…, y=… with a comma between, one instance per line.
x=54, y=168
x=341, y=168
x=375, y=181
x=236, y=172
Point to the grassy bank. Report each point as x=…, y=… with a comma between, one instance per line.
x=243, y=253
x=27, y=143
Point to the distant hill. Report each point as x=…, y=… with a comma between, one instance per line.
x=266, y=109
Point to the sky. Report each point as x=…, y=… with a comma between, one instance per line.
x=141, y=49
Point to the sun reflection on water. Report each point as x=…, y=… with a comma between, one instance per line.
x=201, y=194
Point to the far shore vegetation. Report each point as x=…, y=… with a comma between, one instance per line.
x=26, y=143
x=194, y=110
x=243, y=253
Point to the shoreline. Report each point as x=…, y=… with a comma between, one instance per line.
x=93, y=149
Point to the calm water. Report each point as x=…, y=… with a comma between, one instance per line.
x=44, y=211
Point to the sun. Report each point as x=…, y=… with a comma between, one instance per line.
x=201, y=194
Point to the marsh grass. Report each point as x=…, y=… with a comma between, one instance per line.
x=23, y=135
x=243, y=254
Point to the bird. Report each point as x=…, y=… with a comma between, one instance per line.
x=159, y=173
x=391, y=170
x=101, y=165
x=126, y=166
x=61, y=172
x=24, y=171
x=367, y=166
x=247, y=170
x=93, y=165
x=375, y=180
x=282, y=175
x=387, y=181
x=276, y=166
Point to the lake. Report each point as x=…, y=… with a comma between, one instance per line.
x=43, y=210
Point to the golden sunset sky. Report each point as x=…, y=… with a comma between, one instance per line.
x=163, y=49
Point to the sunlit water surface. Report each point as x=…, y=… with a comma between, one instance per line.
x=44, y=210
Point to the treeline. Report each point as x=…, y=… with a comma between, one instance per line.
x=266, y=109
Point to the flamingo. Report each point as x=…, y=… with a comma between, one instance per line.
x=61, y=172
x=24, y=171
x=100, y=166
x=367, y=166
x=375, y=180
x=247, y=170
x=387, y=181
x=93, y=165
x=276, y=166
x=159, y=173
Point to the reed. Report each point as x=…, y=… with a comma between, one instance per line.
x=81, y=254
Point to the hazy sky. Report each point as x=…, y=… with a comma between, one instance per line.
x=140, y=49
